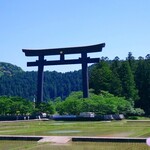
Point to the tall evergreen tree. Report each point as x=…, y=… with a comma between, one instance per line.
x=101, y=77
x=116, y=87
x=143, y=83
x=132, y=62
x=128, y=84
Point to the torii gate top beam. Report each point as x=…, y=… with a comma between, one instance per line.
x=68, y=50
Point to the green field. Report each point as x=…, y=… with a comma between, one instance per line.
x=115, y=128
x=26, y=145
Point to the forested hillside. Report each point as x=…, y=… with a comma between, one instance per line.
x=9, y=69
x=24, y=84
x=128, y=78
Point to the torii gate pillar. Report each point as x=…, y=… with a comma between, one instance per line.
x=40, y=80
x=85, y=80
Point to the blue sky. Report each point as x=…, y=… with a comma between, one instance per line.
x=124, y=25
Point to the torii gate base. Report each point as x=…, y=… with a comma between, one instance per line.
x=84, y=60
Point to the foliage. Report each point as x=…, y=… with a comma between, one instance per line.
x=46, y=107
x=101, y=77
x=142, y=78
x=24, y=84
x=15, y=106
x=128, y=78
x=104, y=103
x=9, y=69
x=128, y=84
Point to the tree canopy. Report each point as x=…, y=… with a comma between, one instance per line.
x=102, y=104
x=128, y=78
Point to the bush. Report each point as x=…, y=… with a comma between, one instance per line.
x=102, y=104
x=133, y=117
x=139, y=112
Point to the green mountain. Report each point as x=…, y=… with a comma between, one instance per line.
x=16, y=82
x=9, y=69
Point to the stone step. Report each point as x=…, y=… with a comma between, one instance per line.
x=56, y=139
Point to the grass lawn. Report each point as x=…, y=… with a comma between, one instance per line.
x=115, y=128
x=27, y=145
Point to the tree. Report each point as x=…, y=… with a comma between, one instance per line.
x=128, y=84
x=101, y=77
x=46, y=107
x=5, y=103
x=132, y=62
x=105, y=103
x=59, y=106
x=15, y=105
x=116, y=87
x=72, y=104
x=143, y=84
x=20, y=105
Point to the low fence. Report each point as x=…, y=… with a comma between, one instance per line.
x=64, y=117
x=76, y=139
x=79, y=118
x=16, y=117
x=109, y=139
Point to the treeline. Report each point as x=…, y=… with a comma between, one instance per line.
x=15, y=106
x=129, y=78
x=24, y=84
x=74, y=104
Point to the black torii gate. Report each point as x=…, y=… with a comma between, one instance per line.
x=84, y=60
